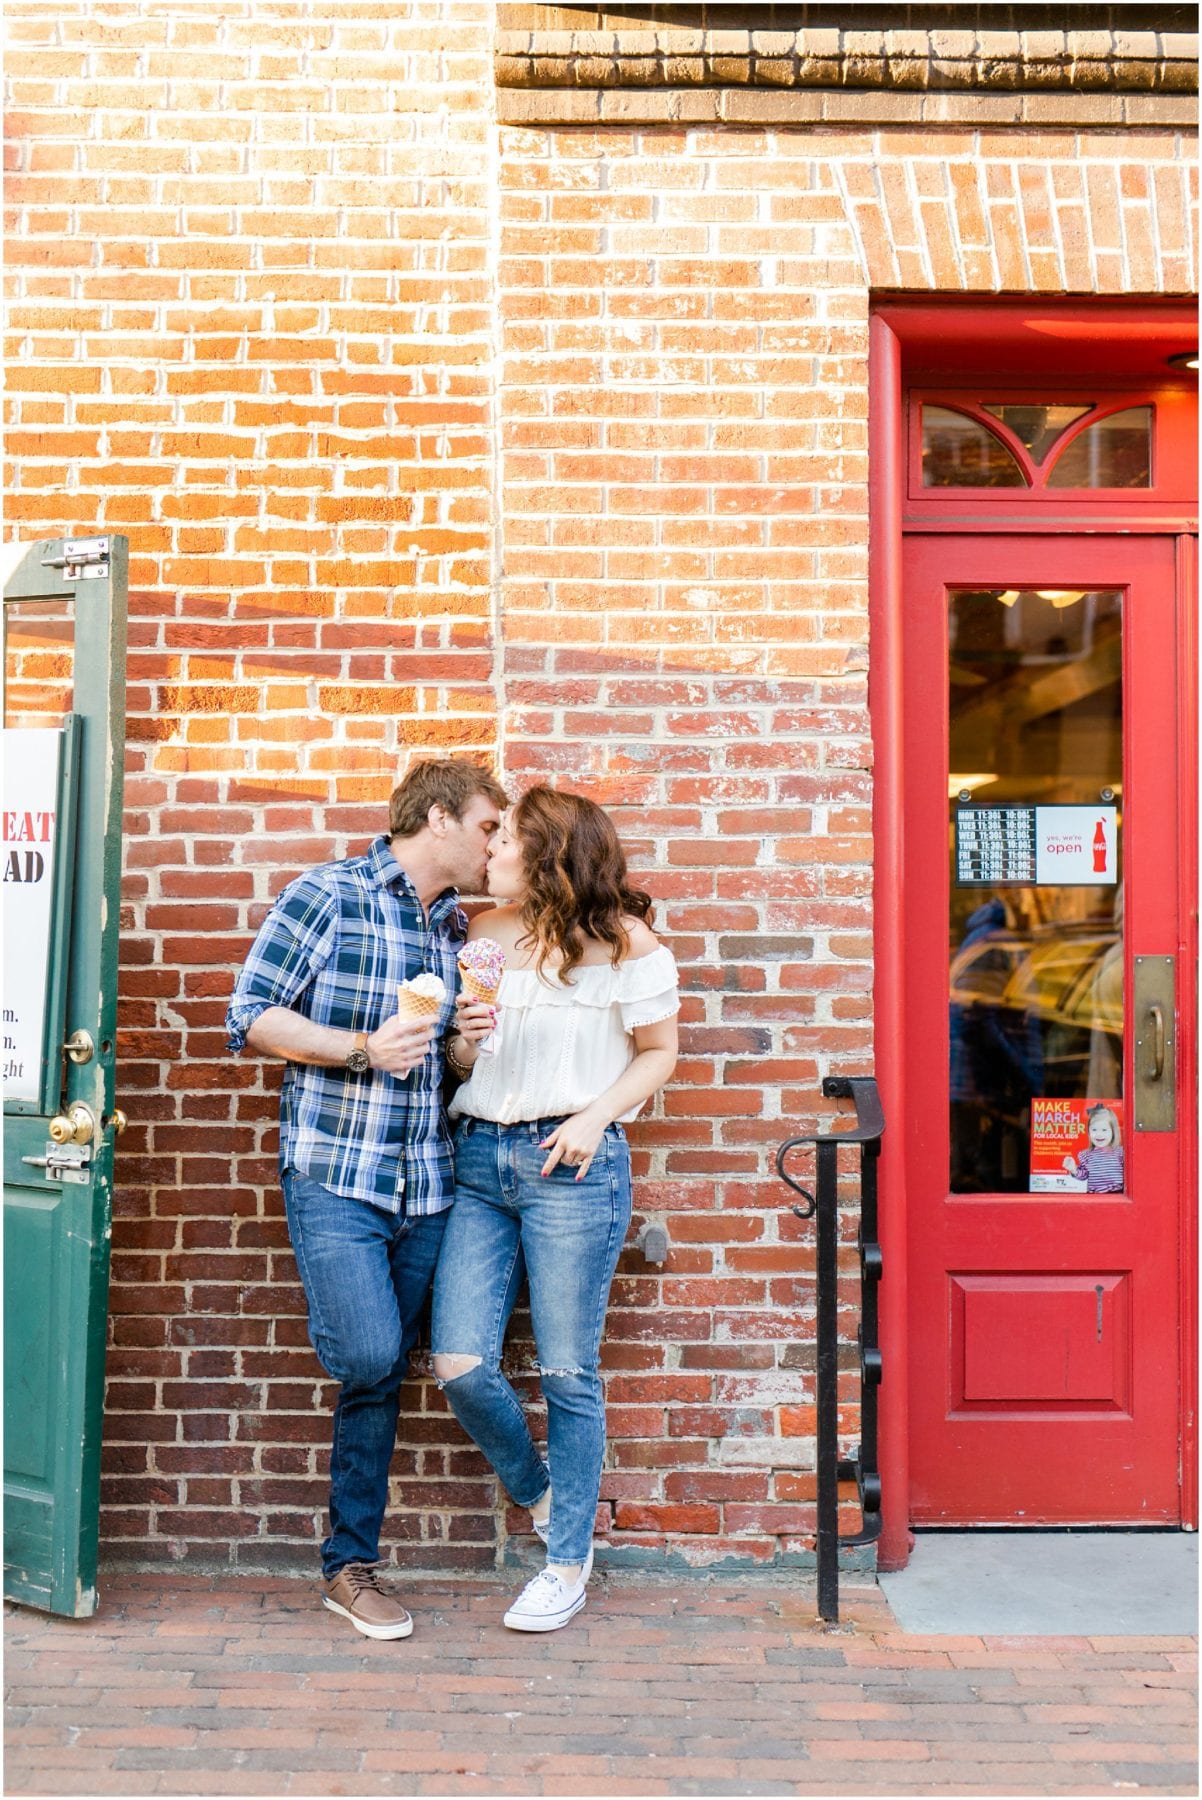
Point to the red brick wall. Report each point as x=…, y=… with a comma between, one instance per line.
x=684, y=608
x=288, y=312
x=252, y=328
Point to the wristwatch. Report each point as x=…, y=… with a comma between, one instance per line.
x=357, y=1060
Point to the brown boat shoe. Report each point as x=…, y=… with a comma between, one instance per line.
x=356, y=1594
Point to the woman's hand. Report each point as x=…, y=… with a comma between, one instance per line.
x=474, y=1019
x=574, y=1143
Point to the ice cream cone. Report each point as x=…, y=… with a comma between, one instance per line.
x=475, y=987
x=481, y=966
x=421, y=999
x=415, y=1006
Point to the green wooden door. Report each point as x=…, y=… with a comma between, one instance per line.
x=64, y=732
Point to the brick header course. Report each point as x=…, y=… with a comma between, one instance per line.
x=695, y=76
x=1140, y=62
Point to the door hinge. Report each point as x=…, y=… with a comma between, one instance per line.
x=83, y=559
x=63, y=1162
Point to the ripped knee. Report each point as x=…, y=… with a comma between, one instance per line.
x=450, y=1368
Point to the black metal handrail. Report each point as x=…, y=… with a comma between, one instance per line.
x=862, y=1468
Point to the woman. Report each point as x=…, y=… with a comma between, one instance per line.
x=588, y=1006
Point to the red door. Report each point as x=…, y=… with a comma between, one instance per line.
x=1043, y=938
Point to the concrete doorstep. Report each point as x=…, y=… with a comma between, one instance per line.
x=187, y=1685
x=1049, y=1583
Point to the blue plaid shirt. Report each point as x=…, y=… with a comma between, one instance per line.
x=334, y=947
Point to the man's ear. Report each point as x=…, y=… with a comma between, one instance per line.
x=439, y=820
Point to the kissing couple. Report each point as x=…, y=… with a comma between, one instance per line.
x=553, y=1016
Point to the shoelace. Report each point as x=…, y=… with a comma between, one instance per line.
x=546, y=1584
x=546, y=1581
x=362, y=1576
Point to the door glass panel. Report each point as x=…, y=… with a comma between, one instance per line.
x=39, y=685
x=1114, y=453
x=39, y=661
x=961, y=452
x=1038, y=427
x=1036, y=918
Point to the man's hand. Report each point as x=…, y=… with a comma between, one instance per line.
x=400, y=1044
x=396, y=1047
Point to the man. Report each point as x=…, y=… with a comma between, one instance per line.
x=365, y=1156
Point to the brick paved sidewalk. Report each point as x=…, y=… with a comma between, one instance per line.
x=184, y=1685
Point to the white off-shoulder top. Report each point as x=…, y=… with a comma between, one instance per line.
x=561, y=1044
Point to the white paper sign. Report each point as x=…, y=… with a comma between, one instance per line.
x=31, y=762
x=1075, y=845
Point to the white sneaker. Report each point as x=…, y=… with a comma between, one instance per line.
x=546, y=1603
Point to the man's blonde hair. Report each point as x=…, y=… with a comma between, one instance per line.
x=450, y=782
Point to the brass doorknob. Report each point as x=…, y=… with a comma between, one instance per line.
x=117, y=1121
x=76, y=1126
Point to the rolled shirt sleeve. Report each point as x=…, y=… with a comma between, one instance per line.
x=293, y=944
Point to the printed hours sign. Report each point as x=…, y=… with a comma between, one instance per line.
x=31, y=764
x=1036, y=846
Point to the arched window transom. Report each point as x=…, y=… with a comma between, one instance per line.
x=1036, y=445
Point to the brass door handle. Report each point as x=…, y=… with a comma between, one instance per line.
x=76, y=1126
x=1156, y=1014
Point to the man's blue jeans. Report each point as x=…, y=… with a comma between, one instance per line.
x=366, y=1274
x=565, y=1236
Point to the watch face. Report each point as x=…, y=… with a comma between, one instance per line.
x=358, y=1062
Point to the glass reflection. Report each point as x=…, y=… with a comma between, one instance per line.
x=961, y=452
x=1036, y=964
x=1114, y=453
x=39, y=661
x=1038, y=427
x=39, y=657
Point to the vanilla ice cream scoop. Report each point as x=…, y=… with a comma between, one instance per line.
x=428, y=987
x=421, y=998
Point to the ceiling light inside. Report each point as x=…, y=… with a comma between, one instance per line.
x=1062, y=597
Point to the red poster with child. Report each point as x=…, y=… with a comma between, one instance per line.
x=1076, y=1146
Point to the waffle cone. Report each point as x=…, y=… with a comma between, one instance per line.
x=416, y=1006
x=475, y=988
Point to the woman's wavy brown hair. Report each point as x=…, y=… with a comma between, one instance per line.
x=576, y=881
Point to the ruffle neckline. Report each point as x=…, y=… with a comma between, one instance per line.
x=598, y=984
